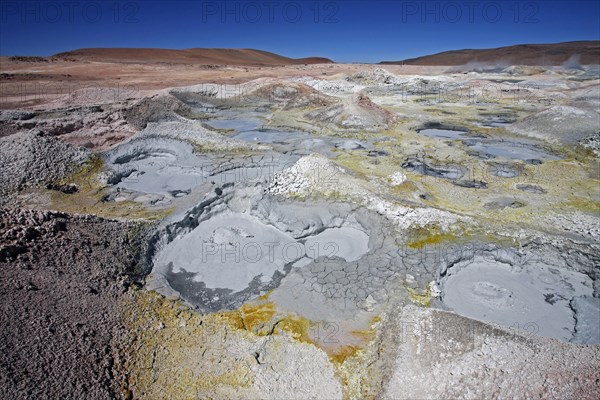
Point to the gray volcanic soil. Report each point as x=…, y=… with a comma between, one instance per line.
x=61, y=280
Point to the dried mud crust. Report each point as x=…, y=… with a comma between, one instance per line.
x=61, y=280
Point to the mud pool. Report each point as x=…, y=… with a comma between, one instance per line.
x=532, y=296
x=158, y=170
x=487, y=148
x=157, y=166
x=442, y=133
x=509, y=149
x=238, y=125
x=231, y=250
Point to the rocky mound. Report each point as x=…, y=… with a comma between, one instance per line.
x=356, y=113
x=435, y=354
x=34, y=158
x=96, y=126
x=154, y=109
x=569, y=123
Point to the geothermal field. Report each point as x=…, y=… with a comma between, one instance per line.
x=272, y=228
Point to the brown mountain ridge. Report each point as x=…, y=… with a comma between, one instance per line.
x=583, y=52
x=187, y=56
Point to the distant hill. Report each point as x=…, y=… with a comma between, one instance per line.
x=584, y=52
x=187, y=56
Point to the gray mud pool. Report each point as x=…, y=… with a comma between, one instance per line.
x=442, y=133
x=535, y=297
x=230, y=250
x=239, y=125
x=509, y=149
x=157, y=170
x=486, y=148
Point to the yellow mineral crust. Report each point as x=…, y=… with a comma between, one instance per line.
x=176, y=353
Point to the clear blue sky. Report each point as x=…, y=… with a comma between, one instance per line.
x=345, y=31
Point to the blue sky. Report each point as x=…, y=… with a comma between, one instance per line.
x=345, y=31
